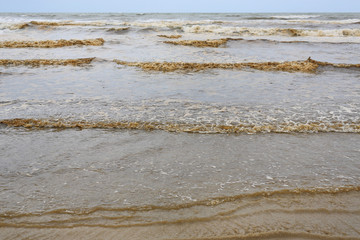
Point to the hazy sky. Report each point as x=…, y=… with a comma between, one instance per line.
x=179, y=6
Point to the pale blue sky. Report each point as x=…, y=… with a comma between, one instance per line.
x=180, y=6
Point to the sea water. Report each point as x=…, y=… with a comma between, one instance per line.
x=109, y=151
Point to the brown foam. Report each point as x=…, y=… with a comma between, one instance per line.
x=293, y=66
x=40, y=62
x=52, y=43
x=170, y=36
x=351, y=127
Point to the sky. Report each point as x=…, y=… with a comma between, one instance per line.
x=160, y=6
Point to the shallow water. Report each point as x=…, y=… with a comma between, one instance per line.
x=271, y=154
x=136, y=168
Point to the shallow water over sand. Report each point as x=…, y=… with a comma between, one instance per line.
x=122, y=179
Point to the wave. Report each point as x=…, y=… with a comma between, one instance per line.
x=285, y=127
x=52, y=43
x=308, y=66
x=42, y=62
x=291, y=32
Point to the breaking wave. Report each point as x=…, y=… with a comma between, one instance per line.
x=290, y=127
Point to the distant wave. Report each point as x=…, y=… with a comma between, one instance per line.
x=345, y=21
x=295, y=16
x=291, y=32
x=280, y=17
x=216, y=26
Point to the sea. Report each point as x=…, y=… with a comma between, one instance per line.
x=180, y=126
